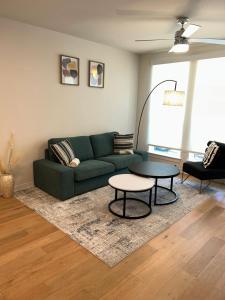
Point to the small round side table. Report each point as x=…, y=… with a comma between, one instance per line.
x=130, y=183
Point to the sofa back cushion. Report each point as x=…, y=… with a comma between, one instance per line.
x=81, y=146
x=102, y=144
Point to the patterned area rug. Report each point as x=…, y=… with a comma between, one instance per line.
x=87, y=220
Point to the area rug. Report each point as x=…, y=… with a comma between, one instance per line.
x=87, y=220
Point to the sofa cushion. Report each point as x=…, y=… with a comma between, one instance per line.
x=92, y=168
x=102, y=143
x=122, y=161
x=81, y=146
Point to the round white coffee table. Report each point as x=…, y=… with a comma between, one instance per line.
x=130, y=183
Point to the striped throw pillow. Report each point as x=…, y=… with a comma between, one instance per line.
x=64, y=152
x=123, y=144
x=210, y=154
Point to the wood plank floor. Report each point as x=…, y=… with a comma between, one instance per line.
x=185, y=262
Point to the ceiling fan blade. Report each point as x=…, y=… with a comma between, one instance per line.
x=153, y=40
x=208, y=41
x=179, y=48
x=191, y=29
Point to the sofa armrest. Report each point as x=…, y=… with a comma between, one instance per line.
x=143, y=154
x=54, y=178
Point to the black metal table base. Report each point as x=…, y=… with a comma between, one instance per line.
x=168, y=189
x=124, y=199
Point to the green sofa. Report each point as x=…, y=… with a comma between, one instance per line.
x=98, y=163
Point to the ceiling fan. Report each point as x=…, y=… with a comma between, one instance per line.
x=182, y=37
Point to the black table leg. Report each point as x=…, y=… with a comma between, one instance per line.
x=124, y=204
x=124, y=199
x=150, y=199
x=168, y=189
x=171, y=184
x=156, y=184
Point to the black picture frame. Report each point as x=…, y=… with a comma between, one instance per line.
x=69, y=70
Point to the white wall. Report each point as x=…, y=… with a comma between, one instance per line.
x=37, y=107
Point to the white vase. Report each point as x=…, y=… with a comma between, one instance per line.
x=6, y=185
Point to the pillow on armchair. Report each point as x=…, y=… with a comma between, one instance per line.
x=123, y=144
x=219, y=159
x=211, y=155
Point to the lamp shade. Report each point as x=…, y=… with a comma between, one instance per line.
x=174, y=98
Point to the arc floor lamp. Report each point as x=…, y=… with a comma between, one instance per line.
x=171, y=98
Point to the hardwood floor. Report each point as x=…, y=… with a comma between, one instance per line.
x=185, y=262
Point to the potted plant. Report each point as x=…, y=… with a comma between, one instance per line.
x=6, y=165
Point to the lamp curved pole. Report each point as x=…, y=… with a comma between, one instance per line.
x=167, y=80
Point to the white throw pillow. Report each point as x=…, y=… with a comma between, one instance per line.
x=74, y=163
x=210, y=154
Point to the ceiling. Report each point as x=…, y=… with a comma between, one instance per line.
x=102, y=20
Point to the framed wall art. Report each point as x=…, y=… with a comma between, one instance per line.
x=96, y=74
x=69, y=70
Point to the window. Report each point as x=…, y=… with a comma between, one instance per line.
x=203, y=114
x=195, y=156
x=166, y=122
x=165, y=151
x=208, y=108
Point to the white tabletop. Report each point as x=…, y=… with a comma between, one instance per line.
x=131, y=182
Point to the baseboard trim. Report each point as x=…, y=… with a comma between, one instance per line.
x=23, y=186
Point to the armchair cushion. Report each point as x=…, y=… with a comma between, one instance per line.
x=197, y=170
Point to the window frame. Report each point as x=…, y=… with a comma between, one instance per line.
x=185, y=153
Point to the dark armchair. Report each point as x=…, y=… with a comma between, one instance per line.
x=197, y=170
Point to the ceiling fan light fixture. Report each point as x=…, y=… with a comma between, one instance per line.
x=182, y=37
x=180, y=48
